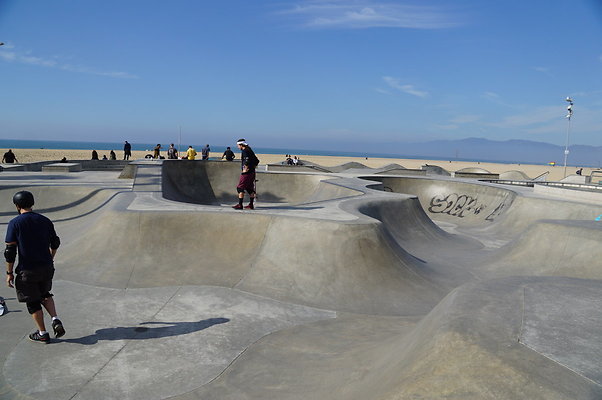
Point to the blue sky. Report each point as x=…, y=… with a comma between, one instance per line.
x=300, y=74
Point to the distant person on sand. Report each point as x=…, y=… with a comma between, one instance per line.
x=94, y=155
x=127, y=150
x=579, y=171
x=9, y=157
x=249, y=162
x=112, y=155
x=157, y=153
x=228, y=154
x=172, y=152
x=190, y=153
x=63, y=160
x=104, y=157
x=205, y=152
x=32, y=237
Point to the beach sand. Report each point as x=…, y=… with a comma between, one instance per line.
x=556, y=173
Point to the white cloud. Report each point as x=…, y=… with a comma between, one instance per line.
x=382, y=91
x=361, y=14
x=448, y=127
x=540, y=115
x=491, y=95
x=465, y=119
x=27, y=58
x=409, y=89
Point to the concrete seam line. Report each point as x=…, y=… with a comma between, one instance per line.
x=132, y=262
x=124, y=345
x=561, y=364
x=259, y=249
x=522, y=318
x=542, y=354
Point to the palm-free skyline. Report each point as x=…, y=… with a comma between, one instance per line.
x=299, y=74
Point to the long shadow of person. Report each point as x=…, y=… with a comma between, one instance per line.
x=143, y=332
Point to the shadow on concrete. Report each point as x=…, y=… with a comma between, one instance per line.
x=286, y=208
x=143, y=332
x=35, y=178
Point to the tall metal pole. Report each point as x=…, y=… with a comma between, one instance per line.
x=180, y=140
x=568, y=131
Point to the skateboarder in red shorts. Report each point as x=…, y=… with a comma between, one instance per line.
x=249, y=162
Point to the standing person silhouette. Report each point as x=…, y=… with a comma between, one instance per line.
x=246, y=182
x=33, y=238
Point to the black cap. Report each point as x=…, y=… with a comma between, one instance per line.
x=23, y=199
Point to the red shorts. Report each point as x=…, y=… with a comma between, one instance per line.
x=246, y=182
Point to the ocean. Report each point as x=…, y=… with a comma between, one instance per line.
x=118, y=147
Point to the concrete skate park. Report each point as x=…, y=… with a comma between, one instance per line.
x=343, y=283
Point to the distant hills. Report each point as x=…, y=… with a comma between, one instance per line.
x=518, y=151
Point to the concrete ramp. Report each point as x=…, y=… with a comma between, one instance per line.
x=382, y=288
x=214, y=182
x=57, y=202
x=254, y=253
x=485, y=340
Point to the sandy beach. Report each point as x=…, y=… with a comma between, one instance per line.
x=556, y=173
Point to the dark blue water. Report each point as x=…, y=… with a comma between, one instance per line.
x=216, y=150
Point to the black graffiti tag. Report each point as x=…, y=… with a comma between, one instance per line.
x=498, y=210
x=456, y=205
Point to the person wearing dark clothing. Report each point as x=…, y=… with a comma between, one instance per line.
x=33, y=238
x=228, y=154
x=157, y=153
x=205, y=152
x=127, y=150
x=249, y=162
x=9, y=157
x=172, y=152
x=112, y=155
x=94, y=155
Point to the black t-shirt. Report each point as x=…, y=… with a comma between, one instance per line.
x=248, y=158
x=229, y=154
x=33, y=233
x=9, y=157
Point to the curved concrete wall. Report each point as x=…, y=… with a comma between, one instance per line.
x=214, y=182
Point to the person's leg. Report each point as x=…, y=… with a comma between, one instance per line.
x=57, y=325
x=40, y=336
x=48, y=304
x=38, y=318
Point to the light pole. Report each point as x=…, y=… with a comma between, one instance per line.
x=568, y=130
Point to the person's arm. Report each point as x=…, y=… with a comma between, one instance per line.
x=10, y=254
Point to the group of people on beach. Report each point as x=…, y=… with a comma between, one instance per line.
x=290, y=160
x=112, y=155
x=173, y=153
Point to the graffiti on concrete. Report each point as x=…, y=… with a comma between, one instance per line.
x=456, y=205
x=461, y=205
x=498, y=210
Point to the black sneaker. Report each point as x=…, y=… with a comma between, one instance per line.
x=57, y=326
x=36, y=337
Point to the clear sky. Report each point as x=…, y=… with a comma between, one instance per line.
x=300, y=73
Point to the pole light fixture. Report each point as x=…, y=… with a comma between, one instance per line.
x=569, y=114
